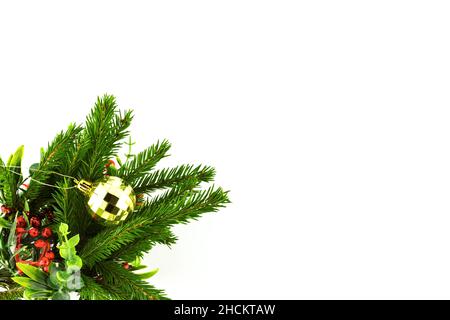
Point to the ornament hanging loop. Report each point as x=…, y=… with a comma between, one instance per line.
x=84, y=186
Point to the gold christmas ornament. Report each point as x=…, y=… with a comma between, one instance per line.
x=109, y=199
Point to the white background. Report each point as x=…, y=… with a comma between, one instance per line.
x=327, y=120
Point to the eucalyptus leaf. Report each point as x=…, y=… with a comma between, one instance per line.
x=62, y=276
x=74, y=241
x=64, y=252
x=75, y=262
x=53, y=270
x=60, y=296
x=64, y=228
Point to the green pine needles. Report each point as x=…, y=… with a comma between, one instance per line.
x=110, y=255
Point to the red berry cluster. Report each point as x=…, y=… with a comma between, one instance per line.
x=31, y=231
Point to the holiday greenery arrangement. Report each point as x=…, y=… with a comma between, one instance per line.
x=80, y=222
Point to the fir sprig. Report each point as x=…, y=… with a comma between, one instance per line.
x=143, y=162
x=151, y=221
x=54, y=158
x=127, y=284
x=171, y=177
x=13, y=293
x=105, y=129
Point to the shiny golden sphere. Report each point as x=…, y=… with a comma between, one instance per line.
x=110, y=200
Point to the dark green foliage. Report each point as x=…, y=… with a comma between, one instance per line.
x=151, y=222
x=12, y=293
x=127, y=285
x=82, y=152
x=92, y=290
x=137, y=248
x=56, y=157
x=175, y=207
x=110, y=240
x=171, y=177
x=71, y=208
x=143, y=162
x=11, y=179
x=105, y=129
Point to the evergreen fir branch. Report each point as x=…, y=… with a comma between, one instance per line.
x=111, y=239
x=129, y=285
x=171, y=177
x=104, y=131
x=139, y=247
x=6, y=194
x=54, y=158
x=143, y=162
x=76, y=158
x=70, y=208
x=168, y=209
x=179, y=207
x=95, y=291
x=11, y=177
x=12, y=293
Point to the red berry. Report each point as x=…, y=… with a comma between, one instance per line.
x=47, y=213
x=50, y=255
x=33, y=232
x=110, y=163
x=126, y=265
x=46, y=268
x=21, y=222
x=35, y=222
x=44, y=262
x=19, y=230
x=47, y=232
x=40, y=243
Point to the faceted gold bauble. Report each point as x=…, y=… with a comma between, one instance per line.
x=110, y=200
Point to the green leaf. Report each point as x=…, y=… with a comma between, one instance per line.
x=64, y=252
x=75, y=262
x=148, y=275
x=63, y=228
x=74, y=241
x=53, y=280
x=12, y=236
x=62, y=276
x=60, y=296
x=35, y=166
x=139, y=268
x=72, y=269
x=30, y=294
x=30, y=284
x=5, y=223
x=16, y=159
x=34, y=273
x=26, y=207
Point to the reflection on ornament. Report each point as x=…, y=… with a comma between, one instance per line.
x=109, y=199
